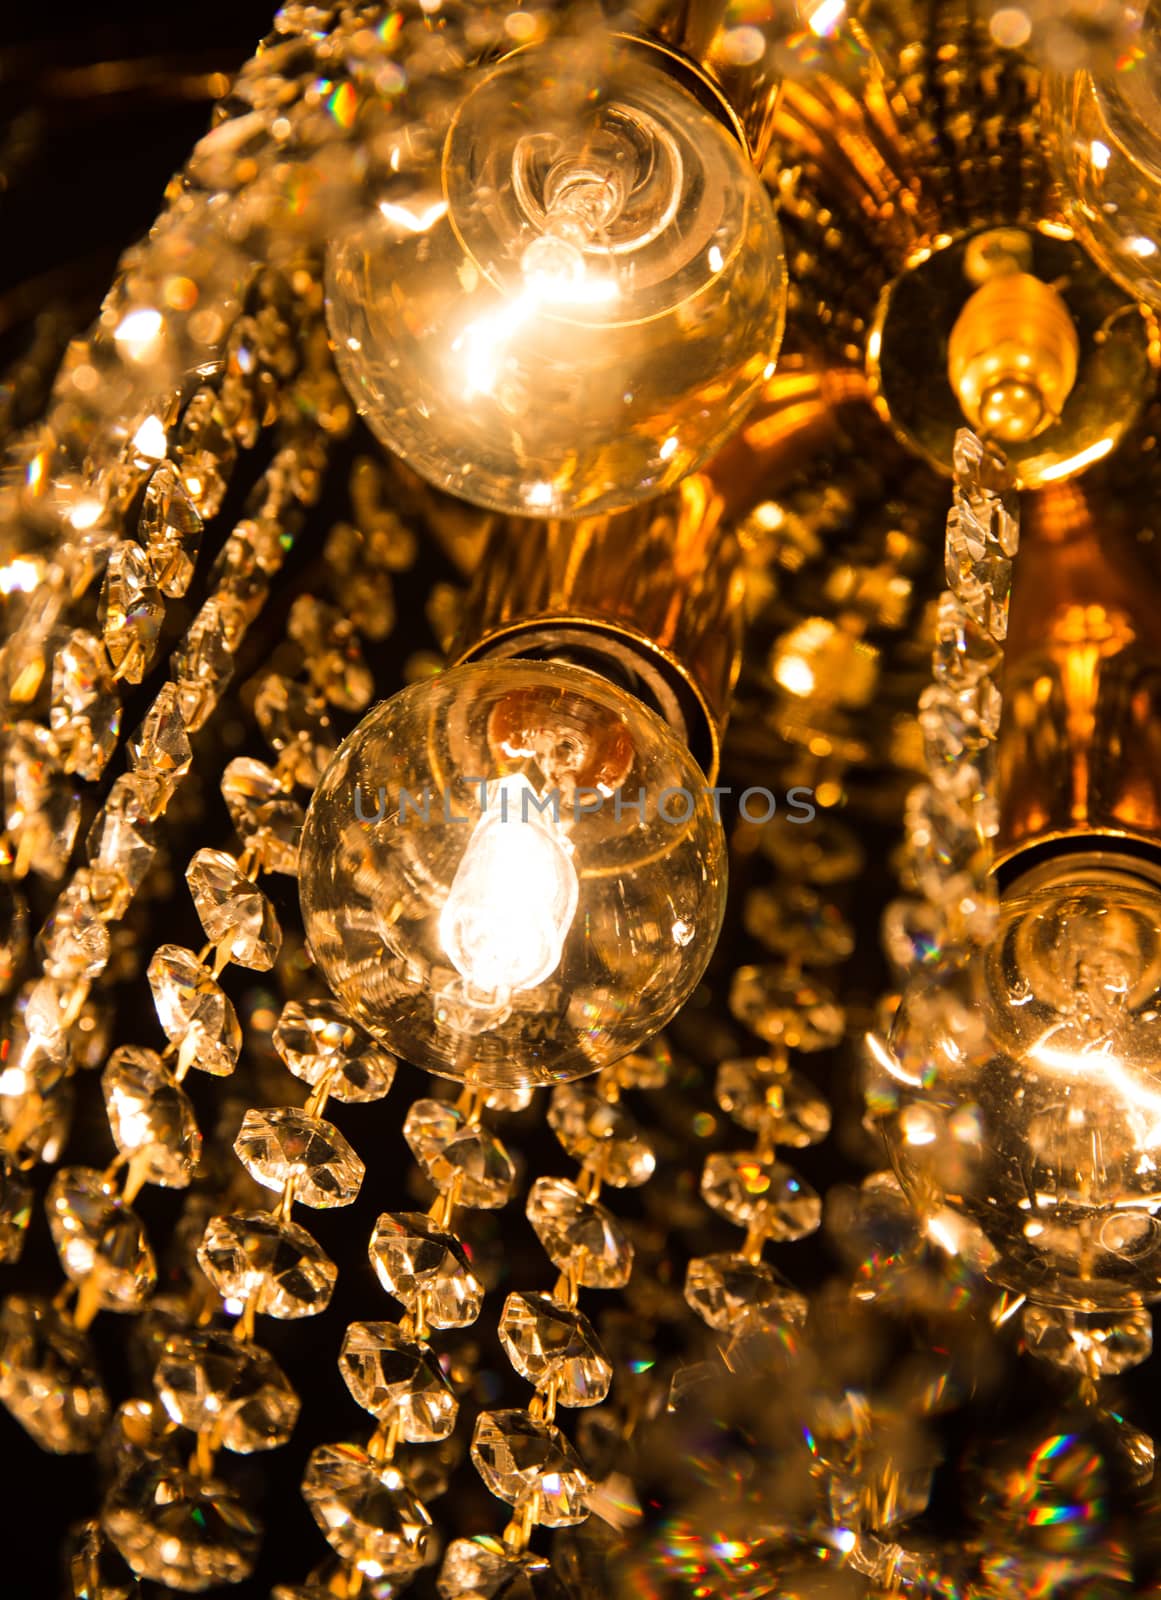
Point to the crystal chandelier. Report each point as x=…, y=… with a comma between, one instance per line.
x=542, y=466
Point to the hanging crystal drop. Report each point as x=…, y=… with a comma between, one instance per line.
x=130, y=612
x=530, y=1463
x=254, y=1254
x=459, y=1155
x=194, y=1011
x=100, y=1240
x=151, y=1118
x=285, y=1144
x=418, y=1262
x=316, y=1039
x=555, y=1347
x=365, y=1509
x=213, y=1382
x=171, y=531
x=235, y=914
x=268, y=821
x=85, y=717
x=48, y=1377
x=579, y=1236
x=398, y=1380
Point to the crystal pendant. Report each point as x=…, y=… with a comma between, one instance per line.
x=601, y=1134
x=484, y=1568
x=794, y=920
x=120, y=846
x=530, y=1464
x=296, y=725
x=725, y=1288
x=160, y=749
x=203, y=663
x=74, y=942
x=1093, y=1346
x=426, y=1269
x=278, y=1263
x=48, y=1377
x=95, y=1570
x=171, y=531
x=285, y=1144
x=761, y=1092
x=13, y=934
x=213, y=1382
x=151, y=1118
x=786, y=1009
x=130, y=611
x=758, y=1191
x=268, y=821
x=365, y=1509
x=85, y=717
x=15, y=1210
x=459, y=1155
x=398, y=1380
x=100, y=1240
x=205, y=452
x=182, y=1530
x=316, y=1038
x=236, y=916
x=194, y=1011
x=555, y=1348
x=579, y=1236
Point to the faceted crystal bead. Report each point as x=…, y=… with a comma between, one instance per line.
x=648, y=1068
x=120, y=845
x=160, y=749
x=36, y=1098
x=86, y=708
x=398, y=1380
x=758, y=1191
x=235, y=914
x=13, y=933
x=763, y=1092
x=724, y=1288
x=179, y=1529
x=212, y=1382
x=964, y=654
x=151, y=1118
x=130, y=612
x=528, y=1462
x=423, y=1266
x=48, y=1379
x=823, y=853
x=365, y=1509
x=268, y=821
x=295, y=723
x=792, y=919
x=1093, y=1346
x=15, y=1210
x=253, y=1253
x=74, y=942
x=786, y=1009
x=555, y=1348
x=205, y=452
x=601, y=1135
x=484, y=1568
x=194, y=1011
x=100, y=1240
x=316, y=1038
x=95, y=1570
x=458, y=1154
x=171, y=531
x=203, y=663
x=579, y=1236
x=284, y=1144
x=41, y=807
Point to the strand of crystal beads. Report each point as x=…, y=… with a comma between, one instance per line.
x=522, y=1456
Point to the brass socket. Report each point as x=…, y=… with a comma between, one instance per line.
x=1012, y=357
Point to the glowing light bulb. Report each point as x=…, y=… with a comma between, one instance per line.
x=514, y=894
x=1032, y=1074
x=579, y=303
x=498, y=880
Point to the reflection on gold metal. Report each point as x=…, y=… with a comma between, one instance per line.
x=1080, y=743
x=1013, y=342
x=1012, y=357
x=653, y=594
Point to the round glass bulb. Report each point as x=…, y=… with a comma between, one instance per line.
x=1105, y=126
x=512, y=873
x=578, y=304
x=1026, y=1092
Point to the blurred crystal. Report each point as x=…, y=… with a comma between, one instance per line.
x=74, y=941
x=794, y=920
x=171, y=531
x=214, y=1383
x=278, y=1263
x=763, y=1092
x=579, y=1236
x=236, y=916
x=529, y=1463
x=758, y=1191
x=150, y=1117
x=786, y=1009
x=601, y=1134
x=86, y=709
x=13, y=933
x=160, y=748
x=95, y=1570
x=268, y=821
x=296, y=724
x=724, y=1288
x=130, y=612
x=825, y=852
x=48, y=1377
x=459, y=1154
x=121, y=845
x=316, y=1038
x=555, y=1347
x=99, y=1239
x=1093, y=1346
x=179, y=1529
x=194, y=1011
x=41, y=807
x=647, y=1068
x=964, y=653
x=485, y=1568
x=423, y=1266
x=203, y=663
x=205, y=452
x=398, y=1380
x=284, y=1143
x=365, y=1509
x=15, y=1210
